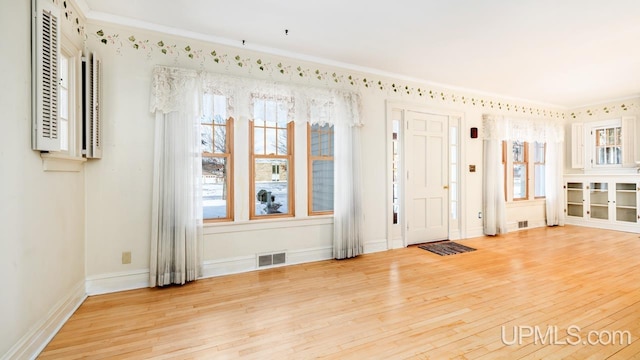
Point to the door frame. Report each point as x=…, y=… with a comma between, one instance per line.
x=455, y=119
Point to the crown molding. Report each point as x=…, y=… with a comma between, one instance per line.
x=106, y=18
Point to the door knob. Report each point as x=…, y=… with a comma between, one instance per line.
x=445, y=187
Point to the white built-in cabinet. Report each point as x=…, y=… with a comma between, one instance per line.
x=603, y=201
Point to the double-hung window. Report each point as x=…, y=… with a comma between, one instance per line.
x=520, y=161
x=271, y=158
x=608, y=145
x=320, y=168
x=539, y=160
x=216, y=129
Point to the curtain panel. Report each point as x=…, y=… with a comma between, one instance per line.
x=499, y=128
x=176, y=229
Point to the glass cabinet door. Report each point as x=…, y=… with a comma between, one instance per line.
x=575, y=199
x=626, y=202
x=599, y=200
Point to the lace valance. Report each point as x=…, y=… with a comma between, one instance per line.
x=511, y=129
x=172, y=89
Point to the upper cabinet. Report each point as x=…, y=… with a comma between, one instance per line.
x=604, y=145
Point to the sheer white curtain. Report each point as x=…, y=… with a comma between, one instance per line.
x=554, y=193
x=176, y=231
x=347, y=213
x=494, y=205
x=493, y=201
x=497, y=129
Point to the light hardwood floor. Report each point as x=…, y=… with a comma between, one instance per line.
x=405, y=303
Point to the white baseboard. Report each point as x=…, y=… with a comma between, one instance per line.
x=120, y=281
x=617, y=226
x=240, y=264
x=33, y=342
x=397, y=244
x=377, y=245
x=309, y=255
x=247, y=263
x=532, y=225
x=474, y=232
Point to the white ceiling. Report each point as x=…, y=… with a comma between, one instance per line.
x=566, y=53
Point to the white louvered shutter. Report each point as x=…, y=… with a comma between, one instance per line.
x=92, y=117
x=628, y=143
x=46, y=83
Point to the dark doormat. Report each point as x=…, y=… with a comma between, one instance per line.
x=446, y=248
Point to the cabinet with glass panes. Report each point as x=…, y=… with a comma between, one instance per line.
x=575, y=199
x=606, y=201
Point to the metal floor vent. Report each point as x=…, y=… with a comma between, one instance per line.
x=523, y=224
x=272, y=259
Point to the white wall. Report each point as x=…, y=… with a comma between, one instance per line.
x=41, y=213
x=45, y=241
x=119, y=185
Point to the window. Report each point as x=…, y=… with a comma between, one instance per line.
x=453, y=165
x=216, y=130
x=65, y=99
x=271, y=158
x=504, y=168
x=520, y=160
x=608, y=145
x=395, y=143
x=539, y=159
x=320, y=169
x=68, y=119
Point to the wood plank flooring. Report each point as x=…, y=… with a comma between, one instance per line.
x=405, y=303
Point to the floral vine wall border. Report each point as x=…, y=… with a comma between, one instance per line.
x=276, y=69
x=70, y=16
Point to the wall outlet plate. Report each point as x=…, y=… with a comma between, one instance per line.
x=126, y=257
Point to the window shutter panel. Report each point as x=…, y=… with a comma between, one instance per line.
x=46, y=77
x=92, y=117
x=628, y=143
x=577, y=146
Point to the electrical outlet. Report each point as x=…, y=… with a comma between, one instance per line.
x=126, y=257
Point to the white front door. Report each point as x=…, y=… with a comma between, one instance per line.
x=427, y=196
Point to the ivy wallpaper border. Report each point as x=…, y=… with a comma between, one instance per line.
x=71, y=17
x=280, y=69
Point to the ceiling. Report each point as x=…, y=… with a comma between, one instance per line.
x=565, y=53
